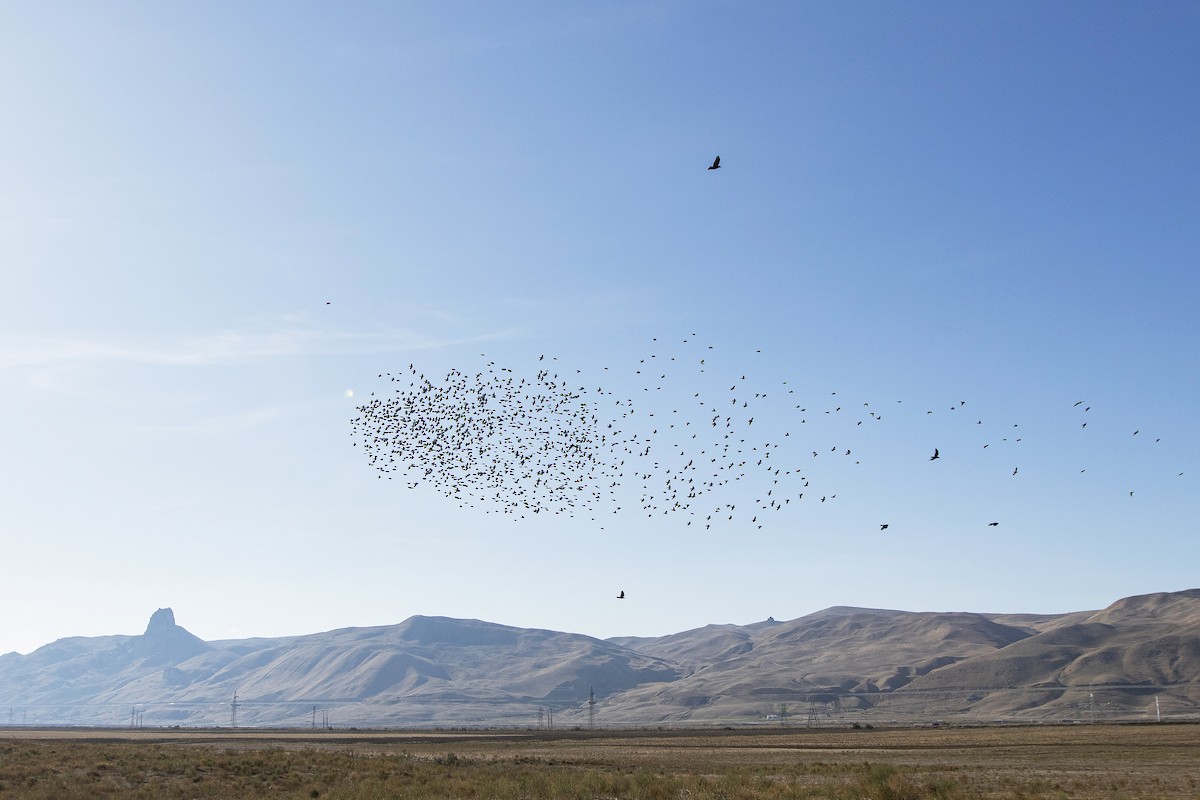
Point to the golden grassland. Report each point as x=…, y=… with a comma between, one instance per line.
x=1080, y=761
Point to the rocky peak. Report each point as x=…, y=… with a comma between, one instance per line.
x=161, y=622
x=166, y=642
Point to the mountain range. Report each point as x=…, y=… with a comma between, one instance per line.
x=1138, y=658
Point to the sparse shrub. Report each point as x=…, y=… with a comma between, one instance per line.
x=885, y=782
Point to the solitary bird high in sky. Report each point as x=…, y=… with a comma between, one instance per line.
x=716, y=163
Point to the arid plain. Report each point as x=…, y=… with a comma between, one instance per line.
x=1034, y=761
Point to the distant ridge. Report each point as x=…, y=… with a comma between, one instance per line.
x=836, y=666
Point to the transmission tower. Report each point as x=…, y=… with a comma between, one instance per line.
x=233, y=707
x=591, y=708
x=814, y=716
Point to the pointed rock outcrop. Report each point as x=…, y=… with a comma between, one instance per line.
x=164, y=642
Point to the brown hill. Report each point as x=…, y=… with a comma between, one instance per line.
x=425, y=670
x=839, y=656
x=1138, y=646
x=1140, y=655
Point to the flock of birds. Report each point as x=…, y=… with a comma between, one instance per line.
x=517, y=444
x=549, y=440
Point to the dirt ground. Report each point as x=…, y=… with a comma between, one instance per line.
x=1117, y=761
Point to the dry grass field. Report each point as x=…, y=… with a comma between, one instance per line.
x=1080, y=761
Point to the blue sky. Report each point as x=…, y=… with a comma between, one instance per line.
x=218, y=220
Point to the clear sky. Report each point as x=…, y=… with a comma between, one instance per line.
x=219, y=222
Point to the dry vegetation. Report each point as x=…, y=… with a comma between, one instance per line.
x=1085, y=761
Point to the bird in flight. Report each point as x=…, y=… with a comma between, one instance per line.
x=716, y=163
x=883, y=527
x=993, y=524
x=621, y=596
x=935, y=455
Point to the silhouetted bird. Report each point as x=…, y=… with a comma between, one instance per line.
x=993, y=524
x=883, y=527
x=935, y=455
x=621, y=596
x=716, y=163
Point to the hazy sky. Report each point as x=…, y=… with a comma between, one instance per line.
x=219, y=220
